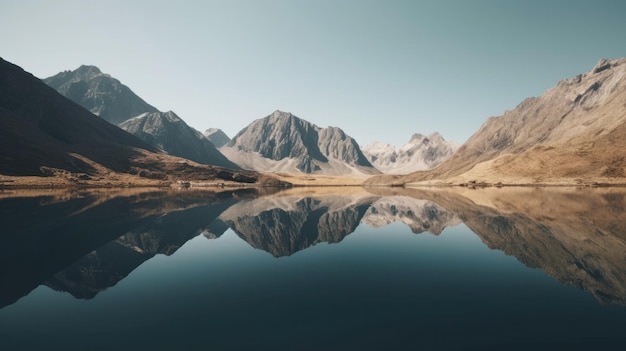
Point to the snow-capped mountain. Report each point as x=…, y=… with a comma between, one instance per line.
x=216, y=136
x=419, y=215
x=99, y=93
x=171, y=134
x=420, y=153
x=282, y=142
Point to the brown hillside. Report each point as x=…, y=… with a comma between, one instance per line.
x=573, y=133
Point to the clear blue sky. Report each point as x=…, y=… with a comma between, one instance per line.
x=380, y=70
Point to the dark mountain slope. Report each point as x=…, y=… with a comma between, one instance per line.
x=40, y=128
x=99, y=93
x=170, y=133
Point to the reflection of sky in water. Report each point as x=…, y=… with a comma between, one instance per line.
x=378, y=288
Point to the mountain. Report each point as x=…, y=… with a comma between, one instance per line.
x=165, y=234
x=99, y=93
x=282, y=142
x=84, y=242
x=171, y=134
x=419, y=154
x=575, y=133
x=116, y=103
x=577, y=237
x=419, y=215
x=217, y=137
x=285, y=225
x=44, y=134
x=40, y=129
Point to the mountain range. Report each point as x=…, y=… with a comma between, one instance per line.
x=46, y=135
x=280, y=142
x=419, y=154
x=575, y=133
x=116, y=103
x=64, y=242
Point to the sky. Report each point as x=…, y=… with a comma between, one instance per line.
x=379, y=70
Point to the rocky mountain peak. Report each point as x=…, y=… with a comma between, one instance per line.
x=217, y=137
x=99, y=93
x=296, y=145
x=171, y=134
x=281, y=114
x=171, y=116
x=417, y=138
x=87, y=71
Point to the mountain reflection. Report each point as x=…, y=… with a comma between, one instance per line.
x=85, y=243
x=283, y=226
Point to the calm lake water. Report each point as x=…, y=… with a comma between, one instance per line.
x=314, y=269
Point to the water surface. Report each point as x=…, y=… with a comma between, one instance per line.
x=305, y=270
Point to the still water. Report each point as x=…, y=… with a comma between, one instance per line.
x=325, y=269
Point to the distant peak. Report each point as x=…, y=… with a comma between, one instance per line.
x=86, y=69
x=435, y=136
x=281, y=114
x=417, y=137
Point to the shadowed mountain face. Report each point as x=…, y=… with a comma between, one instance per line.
x=44, y=134
x=216, y=136
x=42, y=130
x=88, y=243
x=171, y=134
x=114, y=102
x=284, y=142
x=99, y=93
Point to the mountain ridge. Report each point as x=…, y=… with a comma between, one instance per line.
x=170, y=133
x=47, y=139
x=99, y=93
x=420, y=153
x=116, y=103
x=574, y=133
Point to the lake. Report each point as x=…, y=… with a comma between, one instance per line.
x=313, y=269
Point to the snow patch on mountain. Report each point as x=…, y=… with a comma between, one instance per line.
x=420, y=153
